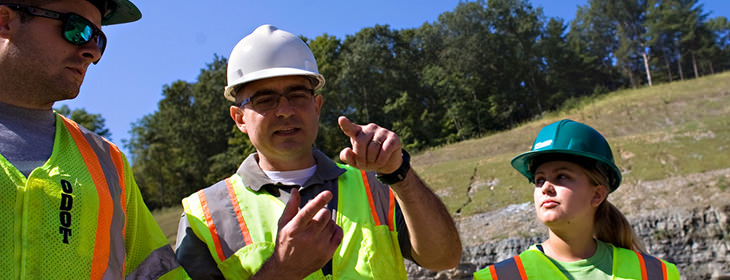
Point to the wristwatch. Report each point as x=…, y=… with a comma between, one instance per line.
x=400, y=173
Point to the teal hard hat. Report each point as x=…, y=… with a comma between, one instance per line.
x=117, y=11
x=575, y=141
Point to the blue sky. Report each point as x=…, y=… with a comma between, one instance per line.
x=174, y=42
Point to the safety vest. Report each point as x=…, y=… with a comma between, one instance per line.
x=79, y=216
x=239, y=226
x=533, y=264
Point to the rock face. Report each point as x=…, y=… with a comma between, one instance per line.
x=697, y=241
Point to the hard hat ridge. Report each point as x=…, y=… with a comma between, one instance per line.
x=266, y=53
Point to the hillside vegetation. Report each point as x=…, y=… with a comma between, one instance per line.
x=664, y=131
x=667, y=131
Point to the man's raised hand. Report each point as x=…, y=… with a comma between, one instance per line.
x=373, y=147
x=307, y=237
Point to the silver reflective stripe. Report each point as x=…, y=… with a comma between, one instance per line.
x=225, y=219
x=117, y=251
x=160, y=261
x=381, y=198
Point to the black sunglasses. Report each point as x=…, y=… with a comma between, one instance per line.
x=77, y=30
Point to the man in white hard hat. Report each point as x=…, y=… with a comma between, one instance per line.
x=290, y=212
x=70, y=206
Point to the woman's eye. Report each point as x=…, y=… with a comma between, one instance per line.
x=539, y=182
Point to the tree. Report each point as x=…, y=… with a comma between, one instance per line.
x=370, y=73
x=630, y=17
x=566, y=75
x=664, y=25
x=719, y=48
x=459, y=43
x=92, y=122
x=592, y=36
x=692, y=30
x=518, y=28
x=327, y=51
x=173, y=149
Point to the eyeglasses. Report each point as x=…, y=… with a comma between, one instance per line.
x=76, y=30
x=268, y=100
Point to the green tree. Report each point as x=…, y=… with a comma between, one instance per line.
x=630, y=18
x=693, y=36
x=719, y=48
x=173, y=149
x=592, y=36
x=459, y=44
x=369, y=73
x=663, y=28
x=327, y=50
x=416, y=111
x=518, y=92
x=566, y=75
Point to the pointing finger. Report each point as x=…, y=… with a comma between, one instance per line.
x=291, y=209
x=349, y=128
x=307, y=212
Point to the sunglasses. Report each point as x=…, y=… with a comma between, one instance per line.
x=76, y=30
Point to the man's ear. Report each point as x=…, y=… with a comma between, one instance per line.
x=237, y=116
x=600, y=193
x=7, y=26
x=318, y=100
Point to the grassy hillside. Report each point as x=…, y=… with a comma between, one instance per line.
x=668, y=130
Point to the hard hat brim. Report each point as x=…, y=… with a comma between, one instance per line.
x=231, y=89
x=522, y=162
x=123, y=12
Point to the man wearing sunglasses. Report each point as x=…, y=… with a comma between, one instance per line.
x=69, y=203
x=356, y=221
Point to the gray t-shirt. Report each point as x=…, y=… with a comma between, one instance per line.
x=26, y=136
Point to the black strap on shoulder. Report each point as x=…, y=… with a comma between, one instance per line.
x=507, y=269
x=653, y=267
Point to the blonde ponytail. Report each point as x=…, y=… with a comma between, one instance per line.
x=611, y=226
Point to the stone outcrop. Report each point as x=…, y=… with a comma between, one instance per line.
x=696, y=240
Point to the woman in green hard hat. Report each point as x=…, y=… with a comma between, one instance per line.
x=572, y=168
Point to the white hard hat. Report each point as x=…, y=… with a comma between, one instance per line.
x=269, y=52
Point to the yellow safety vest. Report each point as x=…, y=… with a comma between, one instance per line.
x=533, y=264
x=79, y=216
x=369, y=248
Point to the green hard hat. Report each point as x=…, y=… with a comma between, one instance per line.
x=117, y=11
x=574, y=139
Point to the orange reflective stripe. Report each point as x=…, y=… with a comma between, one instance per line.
x=391, y=209
x=664, y=270
x=101, y=244
x=520, y=268
x=642, y=265
x=493, y=272
x=239, y=215
x=370, y=198
x=211, y=225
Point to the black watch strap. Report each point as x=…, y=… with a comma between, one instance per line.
x=399, y=174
